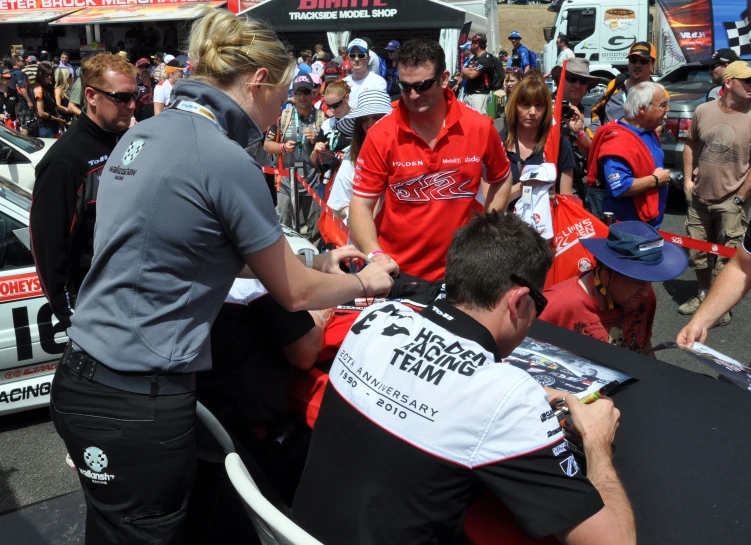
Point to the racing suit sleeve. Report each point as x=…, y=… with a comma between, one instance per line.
x=52, y=213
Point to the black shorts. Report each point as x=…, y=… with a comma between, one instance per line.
x=24, y=117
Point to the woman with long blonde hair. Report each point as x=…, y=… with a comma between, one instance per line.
x=182, y=210
x=63, y=82
x=529, y=118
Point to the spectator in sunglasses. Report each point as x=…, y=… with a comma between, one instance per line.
x=336, y=99
x=574, y=86
x=420, y=161
x=62, y=217
x=293, y=137
x=361, y=79
x=163, y=90
x=609, y=106
x=478, y=75
x=717, y=64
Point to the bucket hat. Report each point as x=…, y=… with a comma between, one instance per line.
x=635, y=249
x=371, y=102
x=576, y=67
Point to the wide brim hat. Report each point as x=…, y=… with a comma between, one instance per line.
x=577, y=67
x=636, y=250
x=371, y=102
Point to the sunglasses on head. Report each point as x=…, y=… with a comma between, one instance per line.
x=420, y=86
x=538, y=298
x=122, y=98
x=353, y=56
x=335, y=105
x=639, y=60
x=303, y=91
x=574, y=79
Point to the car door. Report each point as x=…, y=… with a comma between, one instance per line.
x=31, y=339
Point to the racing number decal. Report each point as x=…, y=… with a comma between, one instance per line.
x=47, y=332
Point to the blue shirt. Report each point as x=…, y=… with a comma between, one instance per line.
x=519, y=57
x=619, y=177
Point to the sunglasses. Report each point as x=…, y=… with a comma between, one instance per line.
x=299, y=92
x=122, y=97
x=335, y=105
x=574, y=79
x=537, y=298
x=353, y=56
x=717, y=64
x=420, y=86
x=639, y=60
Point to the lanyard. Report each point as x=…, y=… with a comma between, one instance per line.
x=197, y=109
x=300, y=141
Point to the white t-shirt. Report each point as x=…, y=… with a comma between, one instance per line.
x=371, y=81
x=563, y=55
x=374, y=64
x=162, y=92
x=341, y=192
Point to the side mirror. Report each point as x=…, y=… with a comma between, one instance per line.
x=5, y=154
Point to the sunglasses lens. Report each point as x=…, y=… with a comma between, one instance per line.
x=125, y=98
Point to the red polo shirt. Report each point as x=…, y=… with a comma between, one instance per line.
x=428, y=193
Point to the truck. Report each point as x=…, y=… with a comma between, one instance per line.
x=604, y=30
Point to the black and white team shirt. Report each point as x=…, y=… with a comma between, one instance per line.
x=420, y=413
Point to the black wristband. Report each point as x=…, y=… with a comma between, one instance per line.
x=363, y=288
x=657, y=180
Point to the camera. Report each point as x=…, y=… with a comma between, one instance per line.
x=566, y=111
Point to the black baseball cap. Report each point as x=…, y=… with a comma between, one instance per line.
x=480, y=38
x=722, y=55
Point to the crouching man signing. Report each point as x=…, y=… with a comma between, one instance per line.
x=615, y=302
x=420, y=413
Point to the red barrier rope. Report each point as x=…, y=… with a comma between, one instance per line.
x=678, y=240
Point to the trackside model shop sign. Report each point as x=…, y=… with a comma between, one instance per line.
x=317, y=15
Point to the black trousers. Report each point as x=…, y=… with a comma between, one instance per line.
x=135, y=456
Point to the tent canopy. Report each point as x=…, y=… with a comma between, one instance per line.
x=33, y=15
x=139, y=13
x=338, y=15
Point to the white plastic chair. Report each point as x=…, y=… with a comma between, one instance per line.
x=272, y=526
x=216, y=429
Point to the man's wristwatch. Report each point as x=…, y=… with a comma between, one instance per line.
x=737, y=201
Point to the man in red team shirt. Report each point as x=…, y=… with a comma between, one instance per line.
x=427, y=161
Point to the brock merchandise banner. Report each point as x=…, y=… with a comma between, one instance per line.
x=331, y=15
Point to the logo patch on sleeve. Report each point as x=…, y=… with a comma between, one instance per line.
x=614, y=176
x=569, y=466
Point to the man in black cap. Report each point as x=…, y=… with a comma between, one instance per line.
x=717, y=64
x=392, y=74
x=615, y=302
x=293, y=137
x=478, y=74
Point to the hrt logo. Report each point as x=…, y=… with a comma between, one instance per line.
x=439, y=186
x=687, y=35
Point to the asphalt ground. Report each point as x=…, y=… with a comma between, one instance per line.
x=32, y=456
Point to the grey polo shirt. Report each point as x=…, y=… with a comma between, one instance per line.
x=179, y=203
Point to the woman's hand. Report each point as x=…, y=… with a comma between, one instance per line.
x=320, y=146
x=377, y=278
x=329, y=262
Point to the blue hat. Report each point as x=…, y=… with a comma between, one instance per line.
x=392, y=45
x=635, y=249
x=515, y=35
x=467, y=45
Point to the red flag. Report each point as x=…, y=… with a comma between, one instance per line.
x=553, y=143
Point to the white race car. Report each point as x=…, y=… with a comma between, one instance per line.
x=31, y=339
x=19, y=156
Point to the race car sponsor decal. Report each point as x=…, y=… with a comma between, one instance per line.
x=25, y=393
x=22, y=286
x=13, y=375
